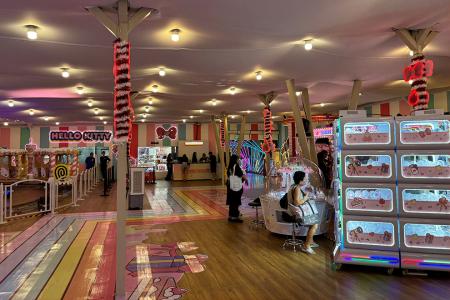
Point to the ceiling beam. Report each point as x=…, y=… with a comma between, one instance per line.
x=140, y=16
x=353, y=104
x=104, y=19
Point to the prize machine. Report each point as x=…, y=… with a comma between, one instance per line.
x=423, y=157
x=366, y=223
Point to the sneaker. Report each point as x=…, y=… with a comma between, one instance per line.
x=308, y=250
x=314, y=245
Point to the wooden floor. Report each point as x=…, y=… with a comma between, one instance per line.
x=244, y=263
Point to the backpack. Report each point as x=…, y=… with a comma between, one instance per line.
x=284, y=201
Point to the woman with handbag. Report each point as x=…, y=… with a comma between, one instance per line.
x=304, y=211
x=236, y=177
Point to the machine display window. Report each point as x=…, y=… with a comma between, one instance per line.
x=425, y=132
x=375, y=166
x=369, y=199
x=425, y=166
x=370, y=133
x=430, y=236
x=426, y=201
x=370, y=233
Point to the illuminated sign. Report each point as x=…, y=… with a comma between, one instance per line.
x=76, y=136
x=194, y=143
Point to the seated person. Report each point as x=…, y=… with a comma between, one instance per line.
x=204, y=158
x=297, y=197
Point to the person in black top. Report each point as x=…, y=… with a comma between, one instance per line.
x=203, y=159
x=90, y=161
x=184, y=166
x=194, y=158
x=169, y=167
x=234, y=197
x=212, y=165
x=104, y=165
x=325, y=165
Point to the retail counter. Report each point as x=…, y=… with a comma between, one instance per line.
x=197, y=171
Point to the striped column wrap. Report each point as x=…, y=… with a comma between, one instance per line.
x=222, y=134
x=420, y=84
x=267, y=145
x=52, y=164
x=74, y=165
x=123, y=112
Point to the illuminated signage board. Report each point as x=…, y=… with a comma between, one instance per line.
x=76, y=136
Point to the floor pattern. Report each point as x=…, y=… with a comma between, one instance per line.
x=72, y=256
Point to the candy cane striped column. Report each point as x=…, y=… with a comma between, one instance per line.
x=419, y=96
x=123, y=112
x=52, y=164
x=74, y=165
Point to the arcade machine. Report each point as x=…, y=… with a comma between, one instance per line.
x=366, y=210
x=423, y=156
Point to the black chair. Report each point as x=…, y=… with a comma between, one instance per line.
x=256, y=222
x=293, y=241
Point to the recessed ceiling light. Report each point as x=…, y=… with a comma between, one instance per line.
x=144, y=116
x=154, y=88
x=259, y=75
x=5, y=123
x=101, y=118
x=11, y=103
x=191, y=117
x=410, y=81
x=298, y=93
x=232, y=90
x=150, y=100
x=411, y=53
x=57, y=123
x=162, y=72
x=80, y=90
x=32, y=32
x=96, y=111
x=359, y=94
x=214, y=102
x=175, y=35
x=104, y=122
x=248, y=112
x=46, y=119
x=184, y=120
x=147, y=109
x=65, y=72
x=31, y=112
x=322, y=104
x=308, y=45
x=201, y=111
x=142, y=120
x=90, y=104
x=232, y=116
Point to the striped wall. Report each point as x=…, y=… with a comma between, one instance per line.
x=391, y=108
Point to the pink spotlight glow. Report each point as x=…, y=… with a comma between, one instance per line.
x=42, y=93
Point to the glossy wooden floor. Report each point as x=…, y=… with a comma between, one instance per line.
x=247, y=264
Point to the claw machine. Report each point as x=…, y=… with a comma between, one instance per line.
x=366, y=223
x=423, y=143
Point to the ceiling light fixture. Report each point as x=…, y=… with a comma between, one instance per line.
x=65, y=72
x=258, y=75
x=175, y=35
x=96, y=111
x=104, y=122
x=308, y=45
x=150, y=101
x=57, y=123
x=46, y=119
x=411, y=53
x=147, y=109
x=184, y=120
x=248, y=112
x=5, y=123
x=154, y=88
x=32, y=32
x=90, y=103
x=232, y=90
x=360, y=94
x=142, y=120
x=201, y=111
x=101, y=118
x=214, y=102
x=162, y=72
x=322, y=104
x=144, y=116
x=298, y=93
x=410, y=81
x=31, y=112
x=80, y=90
x=191, y=117
x=11, y=103
x=232, y=116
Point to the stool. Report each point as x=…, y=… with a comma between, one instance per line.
x=256, y=222
x=293, y=241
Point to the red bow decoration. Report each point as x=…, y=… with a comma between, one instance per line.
x=418, y=70
x=413, y=98
x=161, y=132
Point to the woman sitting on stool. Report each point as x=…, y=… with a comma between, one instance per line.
x=297, y=197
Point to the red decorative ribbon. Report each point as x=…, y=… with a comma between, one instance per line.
x=418, y=72
x=267, y=146
x=161, y=133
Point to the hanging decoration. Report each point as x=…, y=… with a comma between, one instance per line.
x=162, y=133
x=417, y=74
x=222, y=134
x=123, y=112
x=267, y=144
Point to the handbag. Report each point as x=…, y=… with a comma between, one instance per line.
x=235, y=181
x=308, y=214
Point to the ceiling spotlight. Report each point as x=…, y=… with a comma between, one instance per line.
x=5, y=123
x=248, y=112
x=104, y=122
x=96, y=111
x=191, y=117
x=150, y=101
x=258, y=75
x=214, y=102
x=162, y=72
x=101, y=118
x=322, y=104
x=80, y=90
x=147, y=109
x=65, y=72
x=359, y=94
x=142, y=120
x=154, y=88
x=32, y=32
x=201, y=111
x=411, y=53
x=410, y=81
x=11, y=103
x=175, y=35
x=232, y=116
x=144, y=116
x=57, y=123
x=184, y=120
x=298, y=93
x=232, y=90
x=31, y=112
x=90, y=103
x=46, y=119
x=308, y=45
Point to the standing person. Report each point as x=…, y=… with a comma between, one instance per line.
x=297, y=197
x=324, y=164
x=184, y=166
x=213, y=165
x=104, y=160
x=203, y=159
x=234, y=197
x=194, y=158
x=169, y=163
x=90, y=161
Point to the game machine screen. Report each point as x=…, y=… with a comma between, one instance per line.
x=424, y=166
x=425, y=202
x=432, y=236
x=364, y=133
x=369, y=199
x=426, y=134
x=368, y=166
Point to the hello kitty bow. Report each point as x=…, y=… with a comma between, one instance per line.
x=171, y=133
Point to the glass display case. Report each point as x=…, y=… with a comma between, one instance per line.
x=370, y=233
x=368, y=166
x=427, y=201
x=426, y=236
x=427, y=132
x=425, y=166
x=153, y=157
x=365, y=199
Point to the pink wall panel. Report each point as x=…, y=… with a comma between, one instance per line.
x=5, y=135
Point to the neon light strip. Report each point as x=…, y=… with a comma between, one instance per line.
x=391, y=262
